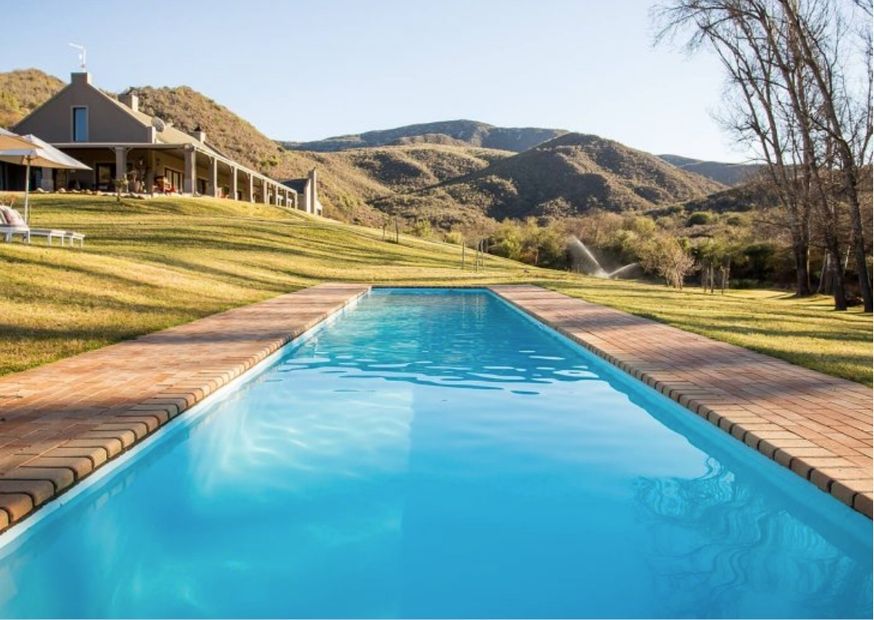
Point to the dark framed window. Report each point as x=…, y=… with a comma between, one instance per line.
x=80, y=124
x=105, y=174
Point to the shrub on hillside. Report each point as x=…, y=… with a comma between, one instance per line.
x=700, y=218
x=422, y=229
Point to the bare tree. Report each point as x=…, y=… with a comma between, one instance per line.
x=845, y=115
x=754, y=109
x=787, y=101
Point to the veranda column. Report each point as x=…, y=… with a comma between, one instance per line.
x=213, y=189
x=120, y=164
x=190, y=171
x=265, y=192
x=234, y=190
x=47, y=181
x=251, y=185
x=150, y=172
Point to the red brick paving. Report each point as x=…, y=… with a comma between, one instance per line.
x=62, y=421
x=818, y=426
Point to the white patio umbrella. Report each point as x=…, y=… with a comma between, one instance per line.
x=34, y=152
x=9, y=140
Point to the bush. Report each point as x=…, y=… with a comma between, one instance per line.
x=454, y=236
x=700, y=218
x=421, y=229
x=668, y=257
x=760, y=261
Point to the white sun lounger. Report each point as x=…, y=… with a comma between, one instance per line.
x=9, y=231
x=72, y=237
x=49, y=234
x=18, y=227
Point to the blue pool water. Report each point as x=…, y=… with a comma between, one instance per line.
x=438, y=454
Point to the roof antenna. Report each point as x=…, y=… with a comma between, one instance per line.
x=82, y=51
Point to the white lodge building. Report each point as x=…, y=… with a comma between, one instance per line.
x=118, y=141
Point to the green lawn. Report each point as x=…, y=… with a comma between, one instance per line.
x=150, y=264
x=803, y=331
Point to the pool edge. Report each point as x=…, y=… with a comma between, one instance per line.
x=689, y=398
x=144, y=419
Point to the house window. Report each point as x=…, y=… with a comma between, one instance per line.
x=175, y=179
x=80, y=124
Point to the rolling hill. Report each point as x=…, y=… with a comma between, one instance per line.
x=565, y=176
x=459, y=133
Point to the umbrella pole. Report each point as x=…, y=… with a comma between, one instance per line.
x=27, y=194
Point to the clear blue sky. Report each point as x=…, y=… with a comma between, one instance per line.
x=308, y=70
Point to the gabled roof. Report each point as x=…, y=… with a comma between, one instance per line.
x=169, y=135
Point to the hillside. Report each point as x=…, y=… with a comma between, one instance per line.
x=416, y=166
x=566, y=176
x=150, y=264
x=744, y=197
x=460, y=132
x=189, y=110
x=349, y=179
x=721, y=172
x=23, y=90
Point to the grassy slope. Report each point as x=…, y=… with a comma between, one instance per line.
x=803, y=331
x=152, y=264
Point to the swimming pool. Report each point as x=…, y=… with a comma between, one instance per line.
x=438, y=453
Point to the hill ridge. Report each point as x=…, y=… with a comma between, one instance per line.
x=465, y=131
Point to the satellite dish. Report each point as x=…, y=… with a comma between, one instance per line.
x=158, y=124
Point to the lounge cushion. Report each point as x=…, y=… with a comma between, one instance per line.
x=12, y=217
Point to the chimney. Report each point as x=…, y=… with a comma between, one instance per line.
x=200, y=134
x=80, y=77
x=131, y=100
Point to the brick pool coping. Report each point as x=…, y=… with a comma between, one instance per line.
x=818, y=426
x=61, y=422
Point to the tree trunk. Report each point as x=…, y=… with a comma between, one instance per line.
x=859, y=252
x=802, y=268
x=837, y=279
x=823, y=276
x=849, y=167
